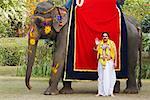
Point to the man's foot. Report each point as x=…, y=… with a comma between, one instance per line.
x=98, y=95
x=112, y=95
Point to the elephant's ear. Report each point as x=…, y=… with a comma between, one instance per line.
x=61, y=18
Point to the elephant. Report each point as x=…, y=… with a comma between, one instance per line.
x=50, y=22
x=55, y=19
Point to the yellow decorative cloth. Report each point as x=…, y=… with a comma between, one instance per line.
x=106, y=51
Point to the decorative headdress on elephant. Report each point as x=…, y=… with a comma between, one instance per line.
x=48, y=17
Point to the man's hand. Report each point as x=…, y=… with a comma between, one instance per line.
x=95, y=48
x=115, y=64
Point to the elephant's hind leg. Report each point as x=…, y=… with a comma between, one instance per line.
x=131, y=85
x=67, y=88
x=130, y=90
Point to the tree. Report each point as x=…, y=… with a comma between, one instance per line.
x=12, y=17
x=137, y=8
x=146, y=24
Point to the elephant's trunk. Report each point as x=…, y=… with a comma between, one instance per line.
x=31, y=57
x=27, y=78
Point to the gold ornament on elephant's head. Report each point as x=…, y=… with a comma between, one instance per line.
x=31, y=34
x=47, y=29
x=32, y=41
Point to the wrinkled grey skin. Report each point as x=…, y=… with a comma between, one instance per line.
x=134, y=45
x=59, y=55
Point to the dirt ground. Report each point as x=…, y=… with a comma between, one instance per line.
x=13, y=88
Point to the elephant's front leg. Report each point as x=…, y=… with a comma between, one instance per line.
x=56, y=72
x=58, y=62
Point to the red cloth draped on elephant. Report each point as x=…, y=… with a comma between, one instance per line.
x=91, y=19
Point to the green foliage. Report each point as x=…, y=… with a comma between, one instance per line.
x=42, y=66
x=8, y=70
x=13, y=16
x=146, y=42
x=11, y=50
x=10, y=56
x=59, y=2
x=146, y=24
x=146, y=71
x=137, y=8
x=14, y=53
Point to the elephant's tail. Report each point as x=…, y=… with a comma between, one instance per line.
x=140, y=57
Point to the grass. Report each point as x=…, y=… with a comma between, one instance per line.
x=13, y=88
x=146, y=60
x=15, y=41
x=8, y=70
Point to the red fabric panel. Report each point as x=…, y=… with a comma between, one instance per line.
x=93, y=18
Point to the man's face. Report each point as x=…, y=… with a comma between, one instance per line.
x=105, y=37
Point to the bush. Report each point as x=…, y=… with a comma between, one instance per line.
x=13, y=17
x=15, y=54
x=146, y=24
x=42, y=66
x=10, y=56
x=136, y=8
x=146, y=42
x=146, y=71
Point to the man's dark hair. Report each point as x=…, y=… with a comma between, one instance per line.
x=104, y=33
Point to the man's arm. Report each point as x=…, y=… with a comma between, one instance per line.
x=115, y=58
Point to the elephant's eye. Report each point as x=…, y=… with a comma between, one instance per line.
x=44, y=24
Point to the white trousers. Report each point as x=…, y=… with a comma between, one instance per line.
x=106, y=78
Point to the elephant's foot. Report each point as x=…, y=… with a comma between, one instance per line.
x=49, y=91
x=117, y=87
x=66, y=90
x=131, y=90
